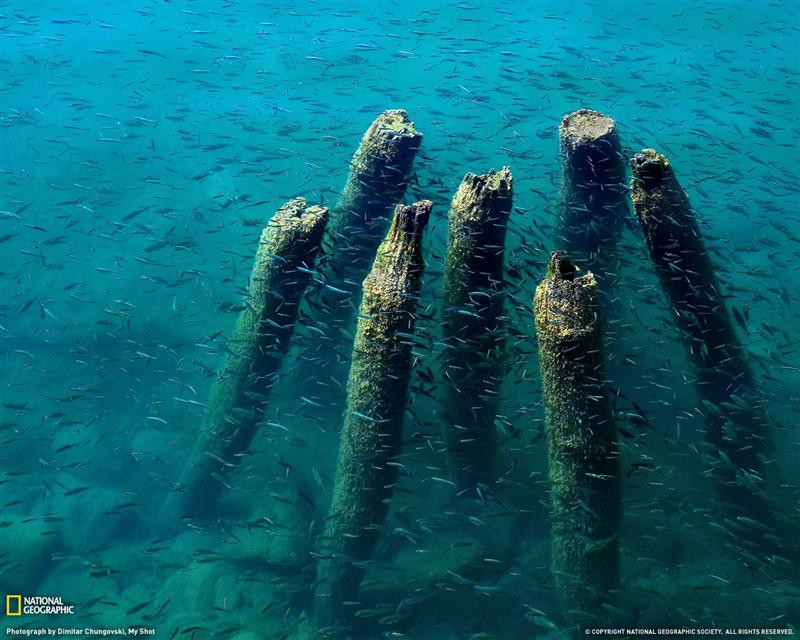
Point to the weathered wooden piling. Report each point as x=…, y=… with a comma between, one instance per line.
x=593, y=201
x=376, y=399
x=286, y=252
x=474, y=323
x=380, y=171
x=585, y=489
x=735, y=427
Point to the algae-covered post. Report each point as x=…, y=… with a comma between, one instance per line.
x=286, y=252
x=379, y=174
x=376, y=399
x=735, y=425
x=585, y=489
x=473, y=322
x=593, y=202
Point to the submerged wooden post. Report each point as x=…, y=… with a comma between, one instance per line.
x=593, y=202
x=379, y=174
x=735, y=427
x=473, y=323
x=376, y=399
x=380, y=171
x=585, y=489
x=281, y=271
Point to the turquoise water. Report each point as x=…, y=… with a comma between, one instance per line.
x=144, y=147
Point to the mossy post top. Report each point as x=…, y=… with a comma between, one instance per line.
x=560, y=267
x=566, y=306
x=408, y=223
x=658, y=198
x=391, y=136
x=650, y=170
x=586, y=126
x=475, y=196
x=393, y=122
x=298, y=216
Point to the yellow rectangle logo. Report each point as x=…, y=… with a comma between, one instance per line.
x=10, y=609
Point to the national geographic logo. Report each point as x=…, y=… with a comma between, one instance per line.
x=17, y=605
x=13, y=605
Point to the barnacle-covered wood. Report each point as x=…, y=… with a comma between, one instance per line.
x=593, y=201
x=735, y=424
x=376, y=399
x=379, y=174
x=281, y=271
x=474, y=323
x=583, y=471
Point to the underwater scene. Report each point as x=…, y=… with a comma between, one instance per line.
x=422, y=321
